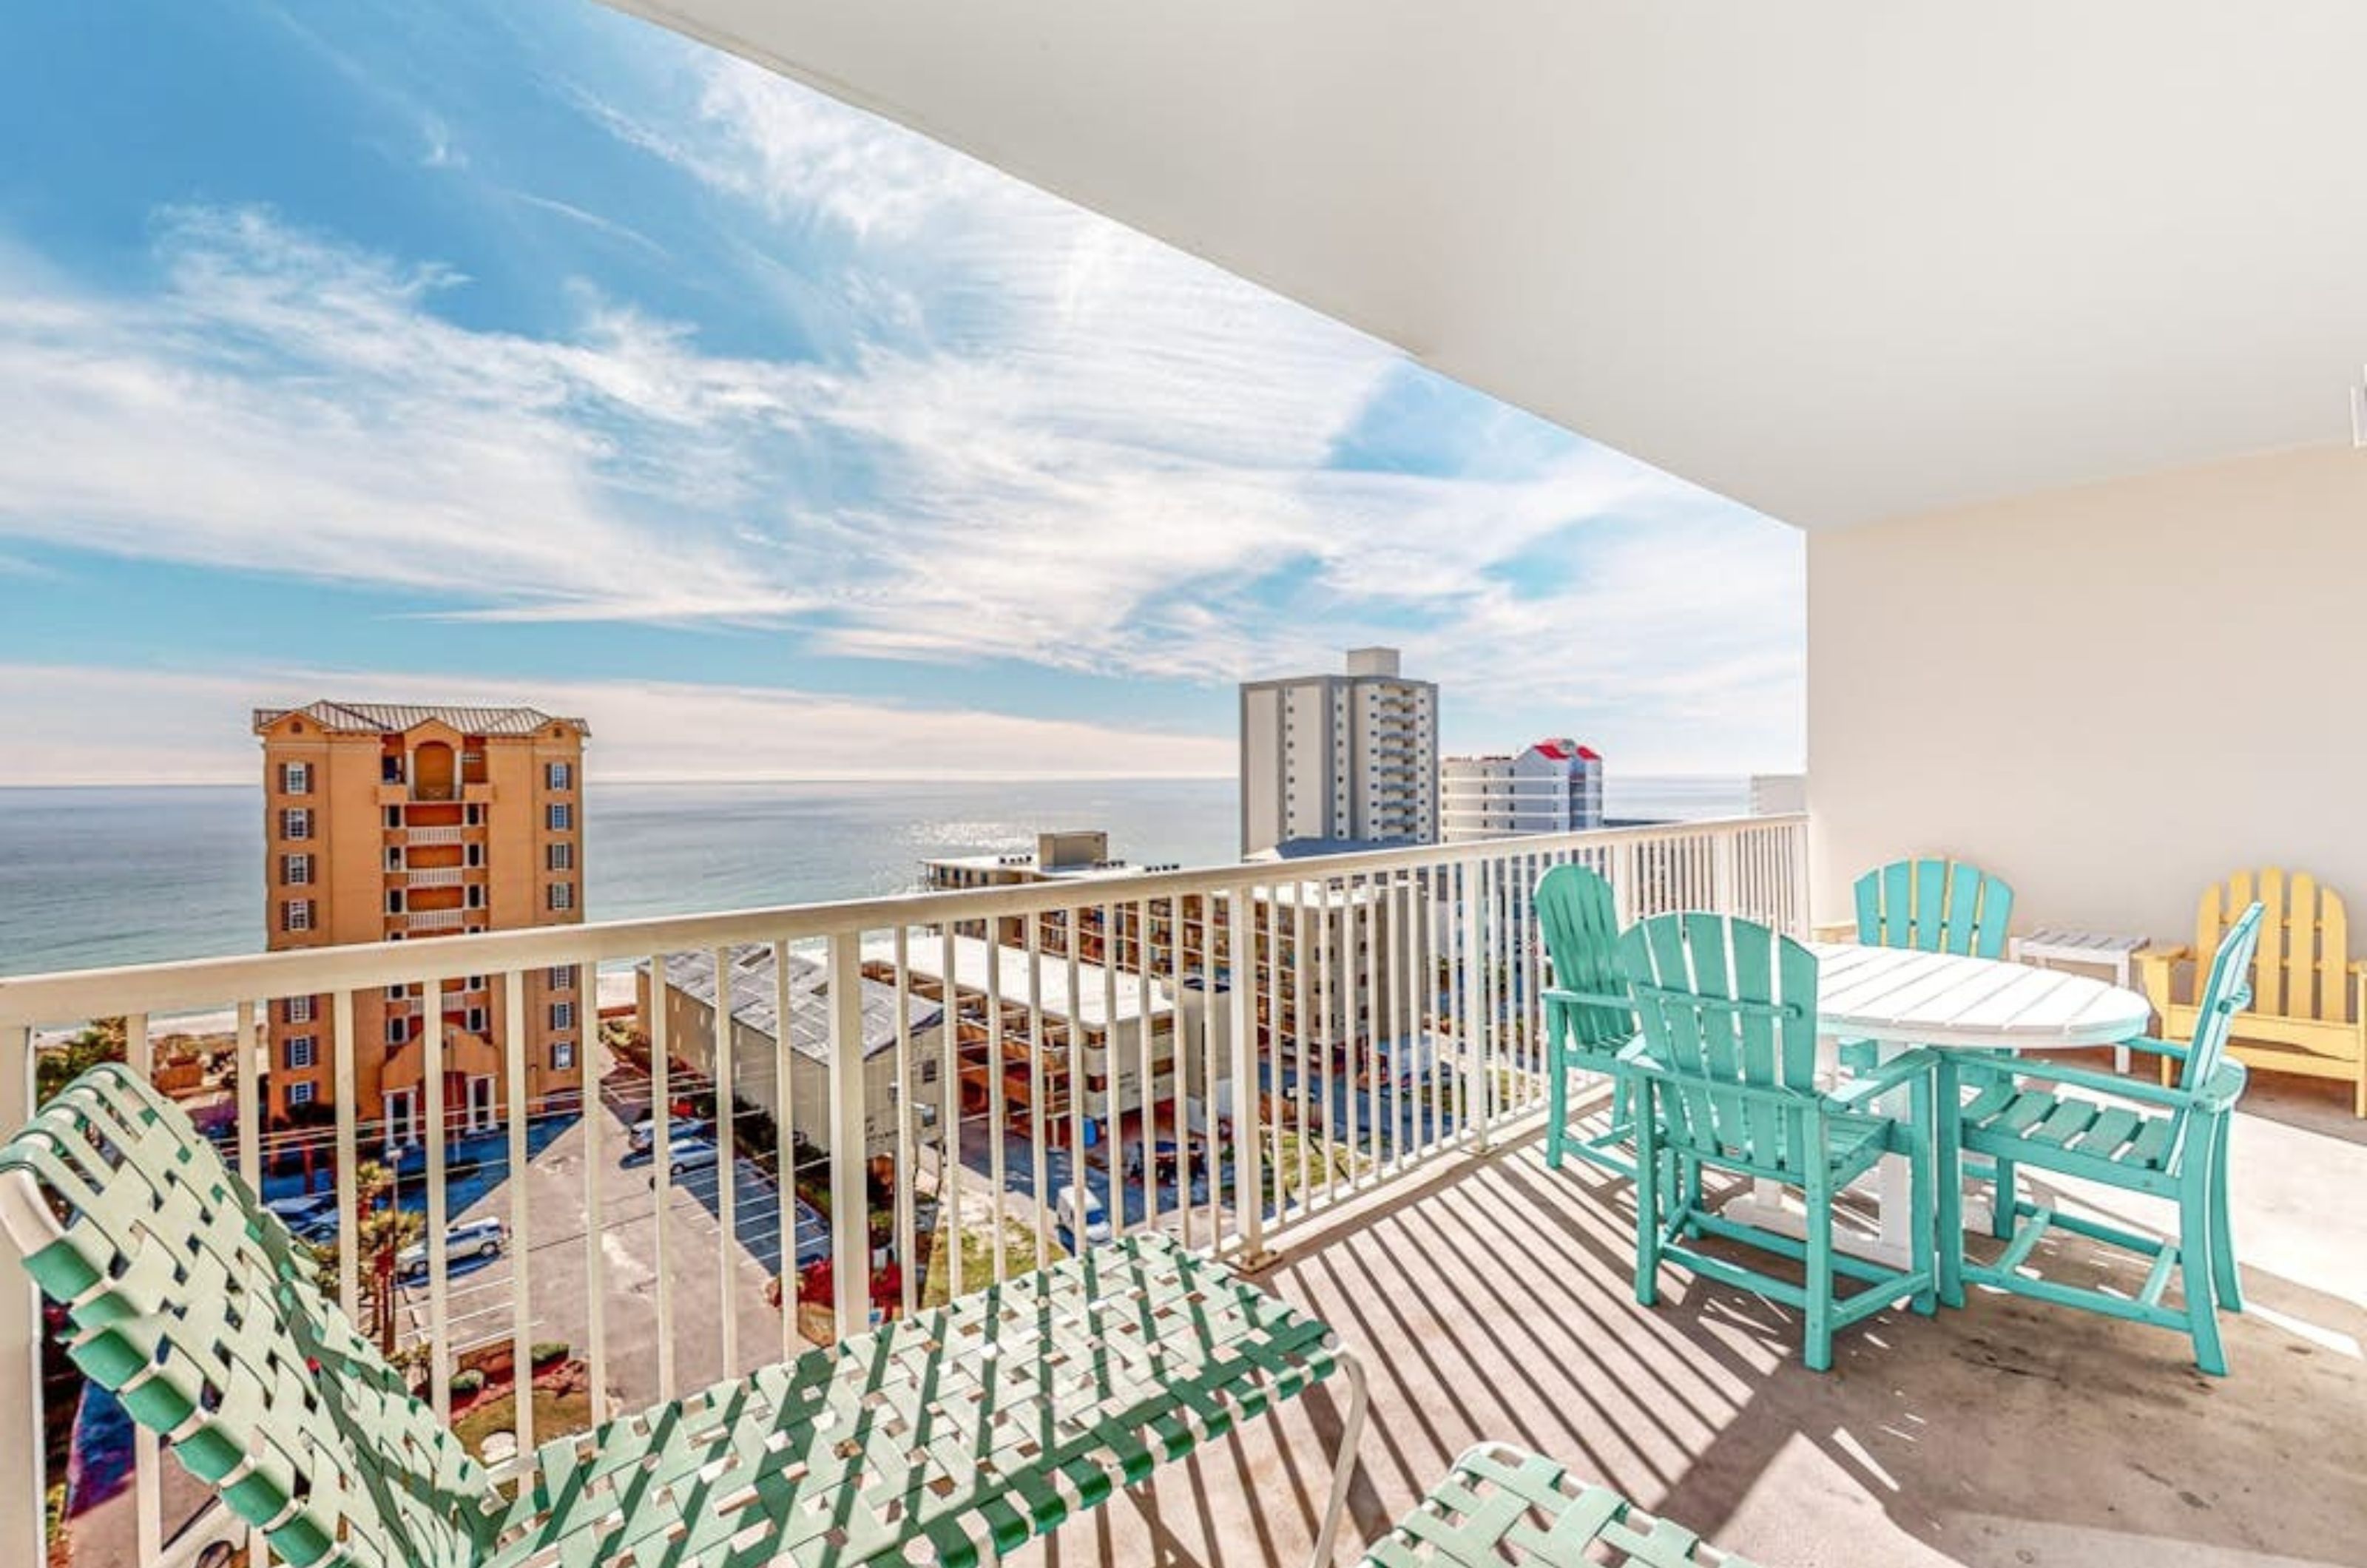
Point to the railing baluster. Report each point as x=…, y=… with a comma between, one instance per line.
x=1114, y=948
x=1078, y=1074
x=907, y=1111
x=662, y=1161
x=243, y=1082
x=850, y=1208
x=1248, y=1094
x=727, y=1174
x=785, y=1149
x=998, y=1110
x=439, y=1279
x=592, y=1110
x=521, y=1247
x=949, y=1162
x=23, y=1523
x=1186, y=1053
x=1039, y=1131
x=1147, y=1045
x=1301, y=960
x=341, y=1022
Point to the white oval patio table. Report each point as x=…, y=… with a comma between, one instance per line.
x=1899, y=998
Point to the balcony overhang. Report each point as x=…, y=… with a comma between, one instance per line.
x=1841, y=265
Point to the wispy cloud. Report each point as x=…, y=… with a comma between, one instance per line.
x=102, y=726
x=1031, y=436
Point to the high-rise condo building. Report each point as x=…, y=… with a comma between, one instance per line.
x=1554, y=786
x=1339, y=760
x=387, y=823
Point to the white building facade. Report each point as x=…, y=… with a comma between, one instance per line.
x=1348, y=757
x=1554, y=786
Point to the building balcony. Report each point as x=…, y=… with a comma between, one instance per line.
x=426, y=837
x=439, y=794
x=1488, y=1295
x=434, y=875
x=434, y=919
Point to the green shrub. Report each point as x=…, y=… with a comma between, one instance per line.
x=468, y=1381
x=546, y=1351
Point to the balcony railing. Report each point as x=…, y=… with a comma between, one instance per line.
x=1395, y=1021
x=432, y=836
x=434, y=876
x=433, y=919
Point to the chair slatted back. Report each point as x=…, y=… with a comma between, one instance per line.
x=1727, y=1003
x=192, y=1303
x=1934, y=906
x=1579, y=918
x=2301, y=968
x=2224, y=993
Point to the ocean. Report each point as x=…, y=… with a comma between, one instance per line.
x=102, y=876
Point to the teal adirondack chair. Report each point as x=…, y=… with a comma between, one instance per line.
x=2168, y=1143
x=1934, y=906
x=1588, y=1018
x=1930, y=905
x=1725, y=1074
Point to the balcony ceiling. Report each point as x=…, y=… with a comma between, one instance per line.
x=1843, y=261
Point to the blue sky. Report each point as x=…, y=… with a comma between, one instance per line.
x=523, y=352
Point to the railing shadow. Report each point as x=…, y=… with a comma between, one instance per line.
x=1493, y=1298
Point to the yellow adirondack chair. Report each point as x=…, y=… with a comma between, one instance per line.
x=2309, y=997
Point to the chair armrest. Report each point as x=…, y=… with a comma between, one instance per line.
x=1883, y=1078
x=2157, y=968
x=1588, y=999
x=2227, y=1087
x=1637, y=1058
x=2108, y=1083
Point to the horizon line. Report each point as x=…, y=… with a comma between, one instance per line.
x=590, y=782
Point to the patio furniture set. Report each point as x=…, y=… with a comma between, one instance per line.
x=1710, y=1028
x=960, y=1433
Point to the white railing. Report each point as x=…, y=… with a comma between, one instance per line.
x=426, y=836
x=1308, y=1031
x=433, y=877
x=433, y=919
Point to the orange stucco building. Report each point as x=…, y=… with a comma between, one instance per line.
x=393, y=822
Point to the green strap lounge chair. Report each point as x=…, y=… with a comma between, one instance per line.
x=948, y=1437
x=1504, y=1507
x=1726, y=1066
x=2162, y=1141
x=1588, y=1020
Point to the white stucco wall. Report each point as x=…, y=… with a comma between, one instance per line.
x=2111, y=695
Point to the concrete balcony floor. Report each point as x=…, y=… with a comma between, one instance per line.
x=1493, y=1299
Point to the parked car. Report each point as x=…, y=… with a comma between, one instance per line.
x=644, y=1135
x=691, y=1153
x=1095, y=1227
x=296, y=1211
x=469, y=1239
x=310, y=1218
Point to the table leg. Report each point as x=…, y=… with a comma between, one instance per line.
x=2120, y=1053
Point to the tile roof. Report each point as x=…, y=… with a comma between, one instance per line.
x=755, y=999
x=383, y=718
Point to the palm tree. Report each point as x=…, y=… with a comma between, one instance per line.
x=381, y=1235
